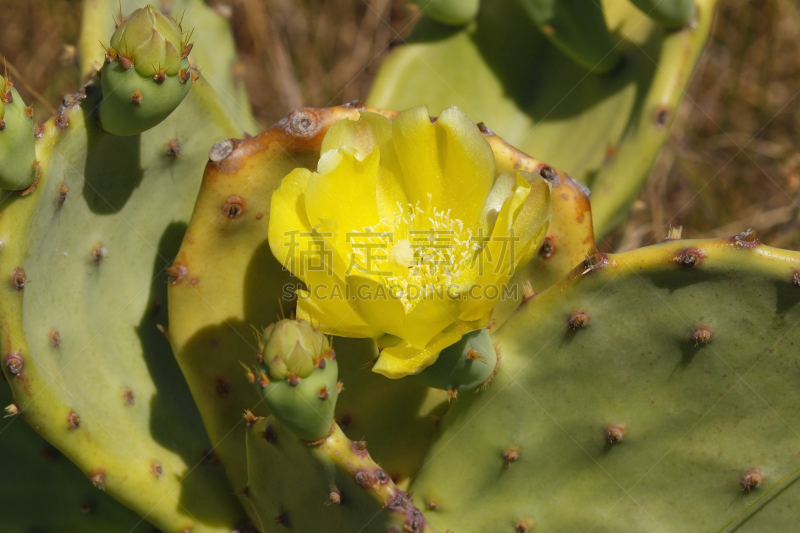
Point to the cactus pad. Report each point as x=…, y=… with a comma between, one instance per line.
x=84, y=290
x=657, y=388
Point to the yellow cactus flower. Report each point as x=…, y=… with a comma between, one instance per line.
x=406, y=233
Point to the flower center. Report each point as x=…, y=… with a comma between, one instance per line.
x=419, y=254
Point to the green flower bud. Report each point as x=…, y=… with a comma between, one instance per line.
x=146, y=73
x=18, y=166
x=467, y=364
x=301, y=389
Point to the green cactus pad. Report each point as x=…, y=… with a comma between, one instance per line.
x=146, y=73
x=603, y=130
x=333, y=486
x=40, y=490
x=84, y=293
x=467, y=364
x=577, y=28
x=668, y=13
x=18, y=166
x=647, y=391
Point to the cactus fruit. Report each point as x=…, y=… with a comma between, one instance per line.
x=215, y=50
x=332, y=486
x=468, y=364
x=604, y=130
x=84, y=294
x=627, y=408
x=18, y=165
x=297, y=377
x=146, y=72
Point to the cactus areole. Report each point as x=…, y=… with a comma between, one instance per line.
x=146, y=72
x=405, y=233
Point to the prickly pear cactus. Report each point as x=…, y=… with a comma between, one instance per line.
x=593, y=92
x=84, y=329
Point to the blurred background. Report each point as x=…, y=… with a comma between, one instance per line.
x=732, y=160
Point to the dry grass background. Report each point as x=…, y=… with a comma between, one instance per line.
x=732, y=160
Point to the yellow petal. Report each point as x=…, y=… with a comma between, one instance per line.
x=288, y=220
x=345, y=193
x=403, y=359
x=376, y=305
x=533, y=220
x=499, y=256
x=333, y=316
x=468, y=165
x=417, y=150
x=428, y=318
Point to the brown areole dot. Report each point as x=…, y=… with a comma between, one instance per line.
x=751, y=479
x=547, y=248
x=63, y=192
x=85, y=507
x=14, y=363
x=18, y=279
x=432, y=505
x=689, y=257
x=234, y=207
x=796, y=279
x=662, y=117
x=614, y=433
x=510, y=456
x=746, y=239
x=701, y=335
x=156, y=469
x=323, y=393
x=173, y=148
x=160, y=77
x=176, y=273
x=548, y=174
x=522, y=526
x=55, y=338
x=577, y=320
x=136, y=97
x=362, y=478
x=222, y=387
x=269, y=435
x=98, y=478
x=73, y=420
x=127, y=395
x=98, y=254
x=335, y=497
